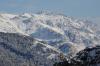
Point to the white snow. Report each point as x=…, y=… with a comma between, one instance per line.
x=57, y=29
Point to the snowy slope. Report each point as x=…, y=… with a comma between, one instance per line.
x=21, y=50
x=67, y=34
x=90, y=56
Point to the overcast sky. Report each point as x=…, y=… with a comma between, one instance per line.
x=78, y=8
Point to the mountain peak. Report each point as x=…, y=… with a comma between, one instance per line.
x=6, y=15
x=26, y=15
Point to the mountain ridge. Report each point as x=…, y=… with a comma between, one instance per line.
x=59, y=33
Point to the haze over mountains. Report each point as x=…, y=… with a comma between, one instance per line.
x=40, y=38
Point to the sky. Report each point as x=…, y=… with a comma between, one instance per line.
x=76, y=8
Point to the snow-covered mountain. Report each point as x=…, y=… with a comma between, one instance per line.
x=60, y=33
x=21, y=50
x=90, y=56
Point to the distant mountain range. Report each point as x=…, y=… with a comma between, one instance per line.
x=41, y=39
